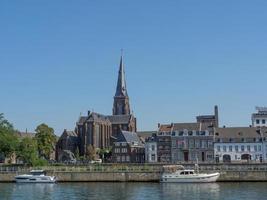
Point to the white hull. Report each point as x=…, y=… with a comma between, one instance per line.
x=35, y=179
x=194, y=178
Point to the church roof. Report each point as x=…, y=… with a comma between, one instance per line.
x=82, y=119
x=119, y=119
x=68, y=133
x=121, y=83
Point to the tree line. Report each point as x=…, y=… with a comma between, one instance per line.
x=31, y=151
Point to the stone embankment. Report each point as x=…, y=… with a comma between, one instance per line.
x=138, y=173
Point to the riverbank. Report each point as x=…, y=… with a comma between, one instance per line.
x=138, y=173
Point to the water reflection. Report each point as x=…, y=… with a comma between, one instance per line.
x=190, y=190
x=133, y=191
x=33, y=191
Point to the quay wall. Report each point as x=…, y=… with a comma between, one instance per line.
x=133, y=173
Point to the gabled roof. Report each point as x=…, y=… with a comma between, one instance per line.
x=67, y=134
x=129, y=137
x=182, y=126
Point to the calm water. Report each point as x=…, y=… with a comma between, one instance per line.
x=131, y=191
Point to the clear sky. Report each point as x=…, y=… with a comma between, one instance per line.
x=59, y=58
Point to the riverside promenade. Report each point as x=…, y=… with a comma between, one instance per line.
x=137, y=173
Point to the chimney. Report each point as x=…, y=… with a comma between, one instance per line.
x=216, y=113
x=158, y=125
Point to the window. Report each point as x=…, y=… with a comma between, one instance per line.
x=153, y=147
x=263, y=121
x=230, y=148
x=197, y=143
x=255, y=148
x=153, y=157
x=236, y=148
x=257, y=121
x=182, y=173
x=218, y=148
x=186, y=173
x=122, y=158
x=242, y=148
x=248, y=148
x=224, y=148
x=117, y=144
x=118, y=158
x=259, y=147
x=127, y=158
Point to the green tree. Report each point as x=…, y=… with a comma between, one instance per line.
x=46, y=140
x=8, y=138
x=27, y=151
x=90, y=152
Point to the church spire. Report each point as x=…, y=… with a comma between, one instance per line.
x=121, y=83
x=121, y=104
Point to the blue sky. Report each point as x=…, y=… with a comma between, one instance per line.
x=60, y=58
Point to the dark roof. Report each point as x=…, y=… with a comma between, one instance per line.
x=93, y=116
x=240, y=132
x=146, y=134
x=182, y=126
x=119, y=119
x=121, y=83
x=81, y=120
x=129, y=137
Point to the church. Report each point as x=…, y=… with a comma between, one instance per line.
x=100, y=130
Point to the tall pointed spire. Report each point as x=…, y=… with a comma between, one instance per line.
x=121, y=83
x=121, y=104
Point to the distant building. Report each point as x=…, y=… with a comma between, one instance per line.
x=151, y=150
x=128, y=148
x=259, y=119
x=187, y=142
x=237, y=144
x=212, y=120
x=67, y=146
x=101, y=130
x=192, y=142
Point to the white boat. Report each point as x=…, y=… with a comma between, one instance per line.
x=188, y=176
x=35, y=176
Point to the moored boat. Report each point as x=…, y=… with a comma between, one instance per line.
x=35, y=176
x=181, y=175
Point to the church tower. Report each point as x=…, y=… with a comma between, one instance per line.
x=121, y=104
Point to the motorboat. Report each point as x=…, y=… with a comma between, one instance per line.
x=35, y=176
x=181, y=175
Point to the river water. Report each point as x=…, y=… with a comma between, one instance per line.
x=132, y=191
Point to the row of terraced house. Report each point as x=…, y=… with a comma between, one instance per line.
x=200, y=141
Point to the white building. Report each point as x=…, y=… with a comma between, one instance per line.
x=151, y=150
x=259, y=119
x=238, y=144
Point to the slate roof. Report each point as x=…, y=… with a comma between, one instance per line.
x=146, y=134
x=182, y=126
x=119, y=119
x=240, y=132
x=129, y=137
x=81, y=120
x=97, y=117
